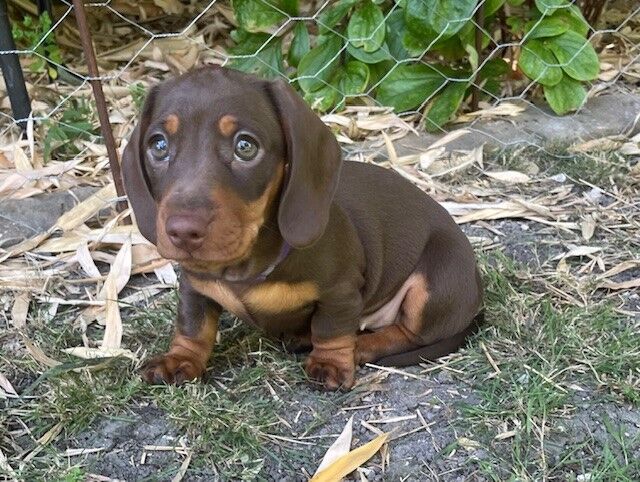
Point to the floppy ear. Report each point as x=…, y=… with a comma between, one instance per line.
x=314, y=159
x=136, y=181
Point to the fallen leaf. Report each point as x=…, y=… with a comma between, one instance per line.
x=81, y=212
x=603, y=144
x=166, y=274
x=38, y=355
x=88, y=353
x=84, y=259
x=578, y=251
x=510, y=177
x=468, y=444
x=588, y=227
x=622, y=285
x=5, y=385
x=429, y=156
x=350, y=461
x=20, y=310
x=339, y=447
x=116, y=280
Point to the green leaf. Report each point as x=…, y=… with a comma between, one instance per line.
x=473, y=56
x=264, y=50
x=559, y=22
x=289, y=6
x=448, y=16
x=492, y=6
x=547, y=7
x=415, y=45
x=416, y=16
x=256, y=15
x=516, y=24
x=332, y=16
x=575, y=55
x=494, y=68
x=369, y=57
x=408, y=86
x=566, y=96
x=546, y=27
x=354, y=79
x=396, y=28
x=574, y=18
x=366, y=27
x=379, y=70
x=539, y=64
x=491, y=75
x=319, y=64
x=445, y=105
x=299, y=45
x=324, y=98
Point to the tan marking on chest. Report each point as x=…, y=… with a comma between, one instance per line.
x=222, y=294
x=280, y=297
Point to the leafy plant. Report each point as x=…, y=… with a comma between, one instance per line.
x=35, y=33
x=418, y=55
x=138, y=94
x=76, y=123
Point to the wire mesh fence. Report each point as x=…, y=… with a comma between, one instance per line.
x=417, y=73
x=375, y=70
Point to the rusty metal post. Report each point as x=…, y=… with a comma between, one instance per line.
x=475, y=90
x=101, y=104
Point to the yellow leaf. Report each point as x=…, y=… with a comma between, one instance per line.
x=116, y=280
x=351, y=461
x=339, y=448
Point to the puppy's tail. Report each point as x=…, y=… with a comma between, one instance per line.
x=436, y=350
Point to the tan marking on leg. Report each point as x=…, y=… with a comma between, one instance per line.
x=279, y=297
x=390, y=340
x=332, y=361
x=228, y=125
x=187, y=356
x=412, y=308
x=171, y=124
x=402, y=334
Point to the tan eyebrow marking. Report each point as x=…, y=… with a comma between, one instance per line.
x=171, y=124
x=228, y=125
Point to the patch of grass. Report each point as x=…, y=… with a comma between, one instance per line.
x=228, y=419
x=596, y=168
x=548, y=353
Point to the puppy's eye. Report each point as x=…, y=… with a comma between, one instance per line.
x=159, y=147
x=246, y=148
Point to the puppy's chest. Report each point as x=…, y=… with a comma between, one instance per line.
x=261, y=301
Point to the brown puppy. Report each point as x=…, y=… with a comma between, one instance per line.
x=241, y=183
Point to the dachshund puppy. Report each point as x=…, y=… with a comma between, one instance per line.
x=237, y=180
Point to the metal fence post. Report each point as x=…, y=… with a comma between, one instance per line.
x=101, y=104
x=12, y=72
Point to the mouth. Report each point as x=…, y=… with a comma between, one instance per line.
x=212, y=256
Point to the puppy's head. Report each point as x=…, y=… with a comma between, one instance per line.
x=217, y=155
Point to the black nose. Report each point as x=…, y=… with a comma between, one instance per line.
x=186, y=232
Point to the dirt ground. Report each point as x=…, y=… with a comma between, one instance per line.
x=549, y=389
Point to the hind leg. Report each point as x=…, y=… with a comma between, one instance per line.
x=397, y=337
x=434, y=317
x=388, y=341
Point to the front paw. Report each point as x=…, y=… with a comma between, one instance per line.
x=332, y=373
x=171, y=369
